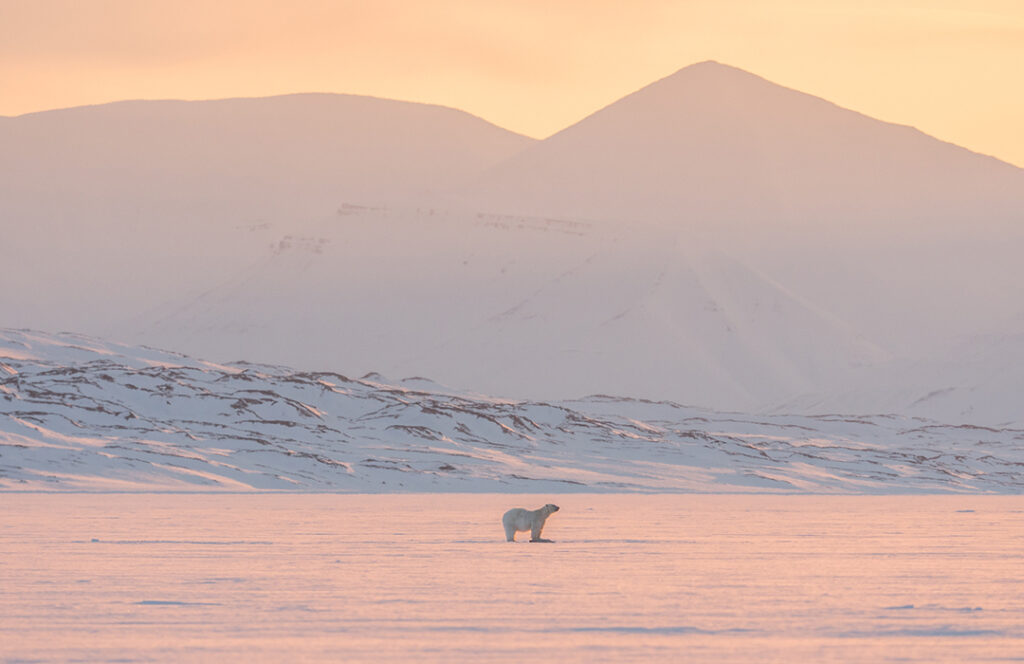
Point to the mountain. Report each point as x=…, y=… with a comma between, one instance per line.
x=291, y=154
x=82, y=414
x=712, y=145
x=911, y=241
x=712, y=239
x=108, y=211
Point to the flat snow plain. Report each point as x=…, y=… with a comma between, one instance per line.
x=262, y=577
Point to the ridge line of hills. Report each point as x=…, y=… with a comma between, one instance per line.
x=82, y=414
x=704, y=63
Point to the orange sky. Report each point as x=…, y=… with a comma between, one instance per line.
x=953, y=68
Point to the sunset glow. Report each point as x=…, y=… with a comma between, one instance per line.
x=949, y=67
x=508, y=330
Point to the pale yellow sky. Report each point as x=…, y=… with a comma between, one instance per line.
x=953, y=68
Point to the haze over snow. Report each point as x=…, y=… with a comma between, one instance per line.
x=712, y=239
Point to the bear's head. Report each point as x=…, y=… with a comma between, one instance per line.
x=549, y=508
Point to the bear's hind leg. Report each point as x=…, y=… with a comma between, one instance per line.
x=510, y=533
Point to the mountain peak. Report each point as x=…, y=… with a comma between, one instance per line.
x=713, y=79
x=711, y=65
x=714, y=143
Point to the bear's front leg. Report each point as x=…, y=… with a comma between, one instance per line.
x=535, y=535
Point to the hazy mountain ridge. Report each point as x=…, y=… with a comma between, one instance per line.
x=292, y=154
x=713, y=239
x=78, y=413
x=713, y=144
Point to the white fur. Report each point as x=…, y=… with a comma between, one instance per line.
x=519, y=520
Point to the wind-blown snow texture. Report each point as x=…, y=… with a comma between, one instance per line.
x=77, y=413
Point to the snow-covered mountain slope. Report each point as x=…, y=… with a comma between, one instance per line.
x=911, y=240
x=77, y=413
x=517, y=306
x=712, y=239
x=979, y=380
x=108, y=211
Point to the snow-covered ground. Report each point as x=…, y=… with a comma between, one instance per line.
x=429, y=578
x=78, y=413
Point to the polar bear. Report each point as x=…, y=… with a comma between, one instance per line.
x=519, y=520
